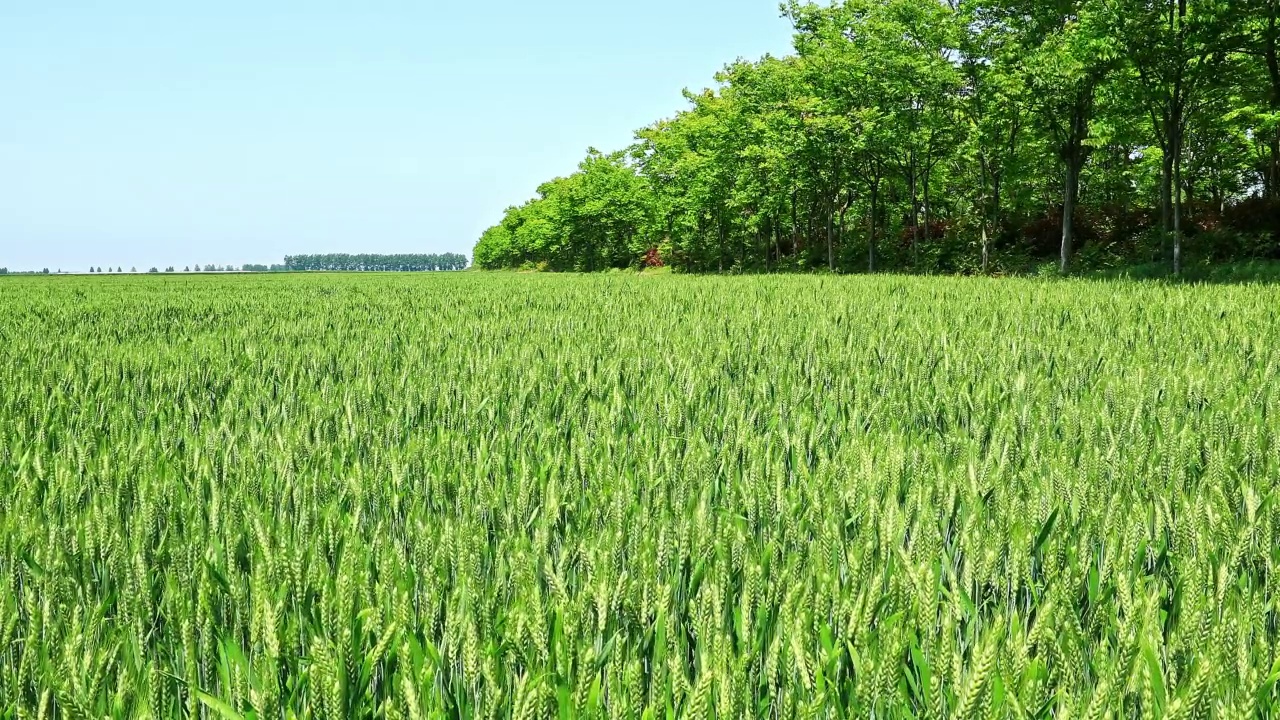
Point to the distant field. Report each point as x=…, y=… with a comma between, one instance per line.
x=473, y=495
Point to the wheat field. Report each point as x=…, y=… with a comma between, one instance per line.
x=524, y=496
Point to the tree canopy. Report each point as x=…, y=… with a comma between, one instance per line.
x=365, y=262
x=967, y=135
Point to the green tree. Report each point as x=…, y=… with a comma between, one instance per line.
x=1178, y=50
x=977, y=134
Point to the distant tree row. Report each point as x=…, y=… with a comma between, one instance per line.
x=965, y=136
x=377, y=263
x=334, y=262
x=197, y=268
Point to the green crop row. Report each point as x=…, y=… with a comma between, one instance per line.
x=514, y=496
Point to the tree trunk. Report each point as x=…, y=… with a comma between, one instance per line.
x=1166, y=188
x=703, y=241
x=915, y=211
x=1177, y=112
x=1177, y=218
x=1176, y=141
x=986, y=253
x=720, y=250
x=995, y=200
x=813, y=225
x=984, y=213
x=1271, y=53
x=871, y=239
x=844, y=209
x=1068, y=212
x=777, y=244
x=831, y=258
x=762, y=238
x=795, y=225
x=1272, y=181
x=928, y=212
x=1073, y=154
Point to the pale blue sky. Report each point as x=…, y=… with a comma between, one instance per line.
x=167, y=133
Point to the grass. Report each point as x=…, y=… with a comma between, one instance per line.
x=506, y=495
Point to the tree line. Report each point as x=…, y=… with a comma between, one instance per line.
x=962, y=136
x=208, y=267
x=296, y=263
x=377, y=263
x=335, y=262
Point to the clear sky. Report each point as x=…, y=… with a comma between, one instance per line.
x=169, y=133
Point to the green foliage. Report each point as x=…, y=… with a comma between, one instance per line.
x=365, y=262
x=616, y=495
x=915, y=135
x=595, y=219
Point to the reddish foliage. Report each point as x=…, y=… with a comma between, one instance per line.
x=1200, y=217
x=1043, y=235
x=936, y=231
x=1247, y=228
x=1117, y=223
x=652, y=259
x=1254, y=216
